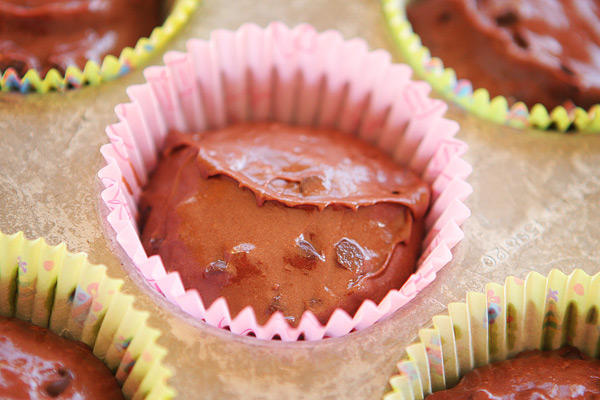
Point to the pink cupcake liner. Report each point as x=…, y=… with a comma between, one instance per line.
x=293, y=76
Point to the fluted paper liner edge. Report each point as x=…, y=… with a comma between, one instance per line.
x=539, y=312
x=477, y=100
x=62, y=291
x=110, y=68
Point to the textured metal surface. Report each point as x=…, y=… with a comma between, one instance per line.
x=535, y=206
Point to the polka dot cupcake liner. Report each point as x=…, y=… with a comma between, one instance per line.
x=293, y=76
x=62, y=291
x=539, y=312
x=110, y=68
x=477, y=100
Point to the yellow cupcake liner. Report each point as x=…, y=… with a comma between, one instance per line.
x=62, y=291
x=111, y=67
x=540, y=312
x=478, y=101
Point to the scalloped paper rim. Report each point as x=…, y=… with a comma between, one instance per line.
x=206, y=87
x=56, y=289
x=497, y=325
x=111, y=67
x=478, y=101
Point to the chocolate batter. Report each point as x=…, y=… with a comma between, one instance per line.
x=45, y=34
x=35, y=363
x=535, y=51
x=283, y=218
x=560, y=374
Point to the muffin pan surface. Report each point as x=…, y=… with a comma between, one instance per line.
x=535, y=206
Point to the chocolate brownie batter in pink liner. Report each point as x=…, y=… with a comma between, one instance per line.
x=297, y=77
x=283, y=218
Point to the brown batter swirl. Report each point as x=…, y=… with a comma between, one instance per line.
x=560, y=374
x=283, y=218
x=45, y=34
x=535, y=51
x=35, y=363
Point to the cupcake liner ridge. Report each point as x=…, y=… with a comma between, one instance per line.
x=478, y=101
x=110, y=68
x=539, y=312
x=62, y=291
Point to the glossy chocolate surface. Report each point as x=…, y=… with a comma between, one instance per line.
x=283, y=219
x=560, y=374
x=535, y=51
x=35, y=363
x=45, y=34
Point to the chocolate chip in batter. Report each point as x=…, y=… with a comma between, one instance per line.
x=507, y=19
x=349, y=255
x=311, y=186
x=57, y=386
